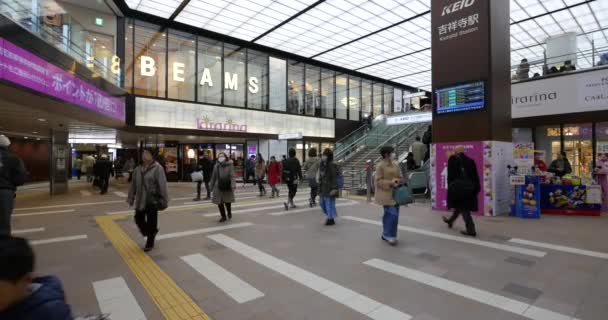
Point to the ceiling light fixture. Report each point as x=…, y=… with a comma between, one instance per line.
x=35, y=132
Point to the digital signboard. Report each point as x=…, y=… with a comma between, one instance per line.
x=462, y=97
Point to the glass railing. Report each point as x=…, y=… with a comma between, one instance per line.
x=558, y=65
x=60, y=30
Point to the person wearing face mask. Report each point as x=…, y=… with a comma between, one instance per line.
x=311, y=167
x=223, y=183
x=388, y=177
x=327, y=176
x=148, y=193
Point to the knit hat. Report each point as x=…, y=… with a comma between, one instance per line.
x=4, y=141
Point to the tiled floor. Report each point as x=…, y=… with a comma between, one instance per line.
x=268, y=263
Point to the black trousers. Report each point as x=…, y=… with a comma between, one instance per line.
x=260, y=183
x=293, y=189
x=225, y=208
x=78, y=173
x=104, y=182
x=198, y=189
x=250, y=174
x=147, y=221
x=314, y=189
x=466, y=216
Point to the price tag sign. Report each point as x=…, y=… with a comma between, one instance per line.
x=517, y=180
x=594, y=194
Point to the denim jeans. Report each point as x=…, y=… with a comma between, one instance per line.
x=328, y=204
x=390, y=222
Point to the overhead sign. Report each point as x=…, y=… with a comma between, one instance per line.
x=409, y=118
x=414, y=95
x=24, y=68
x=290, y=136
x=579, y=92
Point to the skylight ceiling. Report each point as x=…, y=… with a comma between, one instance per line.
x=385, y=38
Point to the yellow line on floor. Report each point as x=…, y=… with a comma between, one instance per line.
x=170, y=299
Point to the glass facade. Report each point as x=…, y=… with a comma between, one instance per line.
x=341, y=96
x=169, y=63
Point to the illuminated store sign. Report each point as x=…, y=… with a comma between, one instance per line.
x=231, y=80
x=206, y=123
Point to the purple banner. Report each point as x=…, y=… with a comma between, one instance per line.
x=20, y=66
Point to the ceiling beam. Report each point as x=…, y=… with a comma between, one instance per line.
x=288, y=20
x=552, y=12
x=394, y=58
x=373, y=33
x=179, y=9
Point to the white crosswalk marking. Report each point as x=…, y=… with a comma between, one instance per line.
x=120, y=194
x=356, y=301
x=85, y=193
x=59, y=239
x=207, y=201
x=555, y=247
x=116, y=299
x=481, y=296
x=493, y=245
x=291, y=211
x=232, y=285
x=202, y=231
x=42, y=213
x=257, y=208
x=24, y=231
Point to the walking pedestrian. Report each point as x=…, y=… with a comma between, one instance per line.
x=23, y=296
x=205, y=166
x=463, y=187
x=311, y=167
x=103, y=171
x=12, y=175
x=274, y=175
x=148, y=194
x=292, y=173
x=388, y=177
x=129, y=167
x=419, y=150
x=328, y=173
x=87, y=167
x=249, y=169
x=78, y=166
x=223, y=183
x=260, y=174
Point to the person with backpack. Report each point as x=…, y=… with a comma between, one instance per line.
x=328, y=174
x=12, y=175
x=274, y=175
x=388, y=177
x=292, y=173
x=260, y=174
x=148, y=193
x=311, y=167
x=223, y=183
x=463, y=187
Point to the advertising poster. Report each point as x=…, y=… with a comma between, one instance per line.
x=443, y=151
x=523, y=154
x=567, y=199
x=171, y=159
x=527, y=198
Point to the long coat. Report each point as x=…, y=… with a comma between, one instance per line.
x=274, y=172
x=455, y=165
x=155, y=182
x=223, y=171
x=386, y=172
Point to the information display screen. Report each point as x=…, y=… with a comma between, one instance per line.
x=463, y=97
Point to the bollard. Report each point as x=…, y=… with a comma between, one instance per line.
x=368, y=179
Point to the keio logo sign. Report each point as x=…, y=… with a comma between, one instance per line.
x=456, y=6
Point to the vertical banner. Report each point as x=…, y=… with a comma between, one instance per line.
x=171, y=159
x=442, y=153
x=527, y=198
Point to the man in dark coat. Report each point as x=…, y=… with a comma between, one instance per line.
x=206, y=167
x=292, y=173
x=103, y=170
x=463, y=168
x=12, y=175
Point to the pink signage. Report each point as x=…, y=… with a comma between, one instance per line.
x=443, y=151
x=21, y=67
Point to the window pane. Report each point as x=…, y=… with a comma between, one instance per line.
x=313, y=102
x=366, y=97
x=257, y=86
x=128, y=65
x=295, y=79
x=377, y=98
x=150, y=64
x=577, y=145
x=209, y=71
x=341, y=99
x=234, y=75
x=354, y=98
x=601, y=132
x=388, y=100
x=182, y=55
x=397, y=100
x=327, y=94
x=548, y=142
x=278, y=84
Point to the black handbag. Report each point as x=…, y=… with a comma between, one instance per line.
x=153, y=200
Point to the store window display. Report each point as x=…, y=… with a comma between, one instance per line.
x=578, y=148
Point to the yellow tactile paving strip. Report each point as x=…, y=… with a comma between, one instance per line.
x=171, y=300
